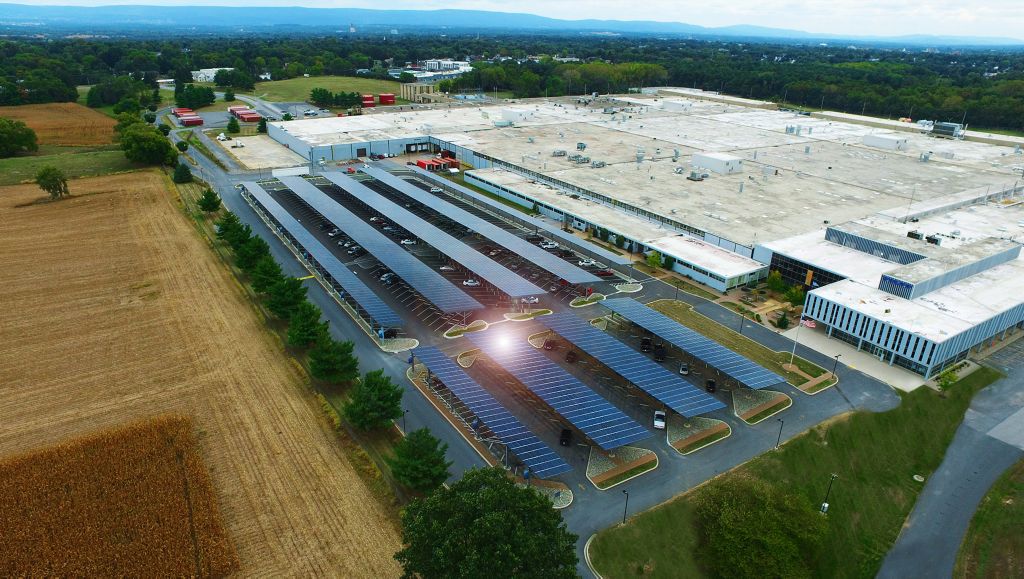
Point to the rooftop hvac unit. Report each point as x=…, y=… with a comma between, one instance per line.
x=695, y=176
x=915, y=235
x=583, y=160
x=679, y=170
x=597, y=164
x=581, y=146
x=933, y=239
x=925, y=156
x=558, y=153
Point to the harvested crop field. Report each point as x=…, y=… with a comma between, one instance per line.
x=116, y=311
x=135, y=500
x=64, y=123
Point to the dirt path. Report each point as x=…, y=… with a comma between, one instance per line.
x=114, y=309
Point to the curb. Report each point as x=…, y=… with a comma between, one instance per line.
x=586, y=556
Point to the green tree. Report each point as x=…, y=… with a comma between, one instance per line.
x=374, y=401
x=181, y=146
x=233, y=125
x=126, y=120
x=332, y=361
x=668, y=261
x=209, y=202
x=52, y=180
x=261, y=127
x=265, y=274
x=164, y=128
x=284, y=296
x=946, y=380
x=305, y=327
x=620, y=241
x=287, y=117
x=775, y=282
x=16, y=137
x=783, y=322
x=144, y=144
x=229, y=95
x=182, y=174
x=485, y=525
x=127, y=105
x=249, y=253
x=753, y=529
x=419, y=461
x=149, y=118
x=795, y=295
x=654, y=259
x=227, y=226
x=406, y=77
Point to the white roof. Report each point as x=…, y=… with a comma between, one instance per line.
x=813, y=249
x=717, y=156
x=705, y=255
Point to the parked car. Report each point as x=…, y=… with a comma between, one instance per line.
x=387, y=276
x=531, y=300
x=352, y=250
x=375, y=219
x=659, y=419
x=565, y=439
x=436, y=190
x=447, y=268
x=586, y=263
x=549, y=344
x=566, y=253
x=684, y=369
x=548, y=245
x=333, y=233
x=493, y=252
x=645, y=344
x=604, y=273
x=571, y=356
x=471, y=283
x=408, y=241
x=534, y=238
x=710, y=385
x=659, y=352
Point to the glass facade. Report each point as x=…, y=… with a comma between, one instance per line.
x=794, y=272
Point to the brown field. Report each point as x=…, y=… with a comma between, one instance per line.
x=64, y=123
x=114, y=310
x=135, y=500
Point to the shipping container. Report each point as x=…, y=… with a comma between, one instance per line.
x=386, y=98
x=191, y=122
x=238, y=108
x=368, y=101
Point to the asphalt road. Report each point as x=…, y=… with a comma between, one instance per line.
x=931, y=539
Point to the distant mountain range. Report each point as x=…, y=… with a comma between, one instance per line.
x=207, y=17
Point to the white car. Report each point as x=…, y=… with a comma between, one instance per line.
x=531, y=300
x=548, y=245
x=447, y=268
x=436, y=190
x=659, y=419
x=586, y=263
x=471, y=283
x=408, y=242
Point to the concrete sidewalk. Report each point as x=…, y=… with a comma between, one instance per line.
x=895, y=376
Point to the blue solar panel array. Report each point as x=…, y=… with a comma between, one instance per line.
x=649, y=376
x=374, y=307
x=430, y=284
x=536, y=455
x=740, y=368
x=549, y=229
x=543, y=259
x=603, y=423
x=504, y=279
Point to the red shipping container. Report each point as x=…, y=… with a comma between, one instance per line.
x=386, y=98
x=238, y=108
x=192, y=122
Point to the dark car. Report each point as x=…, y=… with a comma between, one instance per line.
x=549, y=344
x=710, y=385
x=604, y=273
x=645, y=344
x=571, y=356
x=391, y=333
x=565, y=439
x=659, y=353
x=535, y=239
x=566, y=253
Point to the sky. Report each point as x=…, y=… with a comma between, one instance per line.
x=1004, y=18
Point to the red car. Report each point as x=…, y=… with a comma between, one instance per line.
x=604, y=272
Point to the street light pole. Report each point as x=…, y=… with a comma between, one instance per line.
x=404, y=412
x=824, y=503
x=796, y=340
x=836, y=365
x=625, y=508
x=779, y=441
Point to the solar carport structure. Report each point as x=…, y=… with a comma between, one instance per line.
x=537, y=456
x=352, y=287
x=739, y=368
x=504, y=279
x=601, y=422
x=649, y=376
x=430, y=284
x=509, y=241
x=549, y=229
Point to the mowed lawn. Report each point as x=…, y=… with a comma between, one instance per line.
x=297, y=89
x=875, y=456
x=994, y=545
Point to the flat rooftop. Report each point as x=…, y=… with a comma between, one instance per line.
x=813, y=249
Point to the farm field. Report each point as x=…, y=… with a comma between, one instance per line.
x=297, y=89
x=64, y=123
x=74, y=161
x=116, y=311
x=138, y=498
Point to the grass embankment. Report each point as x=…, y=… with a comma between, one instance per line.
x=875, y=456
x=298, y=89
x=684, y=314
x=622, y=476
x=74, y=161
x=994, y=545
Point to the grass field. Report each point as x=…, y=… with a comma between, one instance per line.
x=115, y=311
x=297, y=89
x=994, y=545
x=138, y=499
x=64, y=123
x=684, y=314
x=74, y=161
x=875, y=456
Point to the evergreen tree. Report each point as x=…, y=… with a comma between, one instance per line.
x=419, y=461
x=261, y=127
x=182, y=174
x=375, y=401
x=265, y=274
x=305, y=327
x=284, y=296
x=332, y=361
x=233, y=126
x=209, y=202
x=229, y=95
x=250, y=252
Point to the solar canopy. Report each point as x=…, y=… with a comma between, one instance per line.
x=374, y=307
x=649, y=376
x=712, y=353
x=550, y=229
x=504, y=279
x=536, y=455
x=509, y=241
x=430, y=284
x=603, y=423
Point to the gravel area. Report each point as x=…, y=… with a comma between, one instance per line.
x=744, y=399
x=680, y=428
x=601, y=462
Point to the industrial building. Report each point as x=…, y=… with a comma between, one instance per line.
x=732, y=189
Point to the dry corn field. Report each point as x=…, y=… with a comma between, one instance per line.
x=135, y=500
x=115, y=310
x=64, y=123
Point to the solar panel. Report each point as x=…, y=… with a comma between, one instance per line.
x=541, y=460
x=740, y=368
x=552, y=230
x=603, y=423
x=505, y=280
x=374, y=307
x=430, y=284
x=510, y=241
x=649, y=376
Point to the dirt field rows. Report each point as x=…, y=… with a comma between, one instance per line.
x=114, y=310
x=64, y=123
